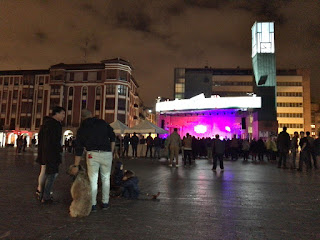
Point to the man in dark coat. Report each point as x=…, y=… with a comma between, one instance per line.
x=283, y=144
x=49, y=153
x=134, y=140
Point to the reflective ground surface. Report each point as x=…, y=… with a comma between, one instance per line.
x=246, y=201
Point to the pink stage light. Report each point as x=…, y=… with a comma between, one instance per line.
x=200, y=129
x=228, y=129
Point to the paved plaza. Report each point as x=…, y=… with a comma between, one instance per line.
x=246, y=201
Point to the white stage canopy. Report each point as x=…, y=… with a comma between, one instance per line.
x=199, y=102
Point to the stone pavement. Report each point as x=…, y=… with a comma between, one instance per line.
x=246, y=201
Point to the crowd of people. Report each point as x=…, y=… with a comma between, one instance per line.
x=282, y=149
x=103, y=146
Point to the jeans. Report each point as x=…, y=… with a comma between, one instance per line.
x=157, y=152
x=99, y=160
x=48, y=185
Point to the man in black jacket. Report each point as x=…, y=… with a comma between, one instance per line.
x=49, y=153
x=283, y=144
x=98, y=138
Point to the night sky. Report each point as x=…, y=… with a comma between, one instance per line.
x=156, y=36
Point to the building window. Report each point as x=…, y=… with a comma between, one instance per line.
x=38, y=121
x=3, y=108
x=39, y=107
x=1, y=80
x=111, y=74
x=97, y=105
x=121, y=117
x=6, y=81
x=25, y=122
x=40, y=94
x=98, y=91
x=26, y=107
x=122, y=90
x=14, y=108
x=41, y=80
x=84, y=91
x=121, y=104
x=69, y=104
x=55, y=90
x=290, y=115
x=110, y=89
x=15, y=94
x=289, y=94
x=5, y=95
x=16, y=81
x=110, y=103
x=289, y=83
x=286, y=104
x=83, y=104
x=123, y=75
x=70, y=91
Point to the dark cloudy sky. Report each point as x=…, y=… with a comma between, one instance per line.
x=157, y=35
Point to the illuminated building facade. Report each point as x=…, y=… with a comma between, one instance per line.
x=293, y=90
x=108, y=89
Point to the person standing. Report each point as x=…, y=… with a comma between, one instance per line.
x=283, y=145
x=316, y=145
x=126, y=141
x=134, y=140
x=157, y=142
x=217, y=153
x=98, y=137
x=305, y=152
x=312, y=150
x=49, y=153
x=187, y=144
x=294, y=149
x=149, y=141
x=174, y=143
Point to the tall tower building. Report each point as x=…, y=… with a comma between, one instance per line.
x=264, y=68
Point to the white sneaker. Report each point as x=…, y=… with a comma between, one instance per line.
x=177, y=165
x=170, y=165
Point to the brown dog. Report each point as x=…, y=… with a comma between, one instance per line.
x=81, y=194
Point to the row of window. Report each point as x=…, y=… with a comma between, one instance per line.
x=113, y=74
x=285, y=104
x=289, y=94
x=223, y=83
x=26, y=80
x=290, y=115
x=289, y=83
x=290, y=125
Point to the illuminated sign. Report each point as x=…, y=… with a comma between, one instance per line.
x=200, y=102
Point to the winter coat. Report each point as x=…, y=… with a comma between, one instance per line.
x=49, y=145
x=131, y=188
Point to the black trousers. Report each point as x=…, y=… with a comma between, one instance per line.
x=134, y=150
x=282, y=158
x=187, y=154
x=216, y=157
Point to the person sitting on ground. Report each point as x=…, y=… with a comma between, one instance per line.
x=130, y=188
x=117, y=175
